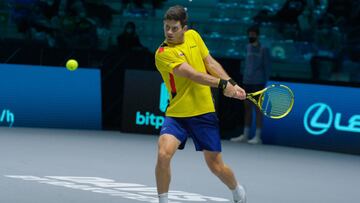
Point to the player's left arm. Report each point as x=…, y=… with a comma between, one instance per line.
x=214, y=68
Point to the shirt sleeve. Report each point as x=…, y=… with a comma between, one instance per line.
x=201, y=44
x=166, y=59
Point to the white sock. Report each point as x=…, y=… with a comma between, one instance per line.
x=163, y=198
x=246, y=131
x=237, y=193
x=258, y=133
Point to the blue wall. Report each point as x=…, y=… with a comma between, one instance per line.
x=51, y=97
x=323, y=117
x=308, y=125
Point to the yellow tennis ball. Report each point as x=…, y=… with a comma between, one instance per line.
x=72, y=64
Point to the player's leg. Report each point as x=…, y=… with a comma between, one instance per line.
x=220, y=169
x=167, y=147
x=225, y=174
x=172, y=136
x=204, y=130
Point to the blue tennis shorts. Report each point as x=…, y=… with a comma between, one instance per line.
x=203, y=129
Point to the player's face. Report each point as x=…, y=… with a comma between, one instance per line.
x=174, y=32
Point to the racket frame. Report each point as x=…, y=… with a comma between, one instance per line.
x=257, y=102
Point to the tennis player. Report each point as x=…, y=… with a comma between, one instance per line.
x=189, y=71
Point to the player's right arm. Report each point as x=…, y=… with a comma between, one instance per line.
x=171, y=61
x=185, y=70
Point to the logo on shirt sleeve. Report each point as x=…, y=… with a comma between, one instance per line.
x=161, y=49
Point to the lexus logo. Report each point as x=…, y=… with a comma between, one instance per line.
x=314, y=126
x=312, y=116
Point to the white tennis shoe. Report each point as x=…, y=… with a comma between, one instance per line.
x=243, y=195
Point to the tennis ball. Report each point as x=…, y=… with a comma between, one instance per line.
x=72, y=64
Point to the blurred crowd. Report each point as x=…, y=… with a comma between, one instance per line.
x=331, y=27
x=62, y=23
x=70, y=23
x=307, y=16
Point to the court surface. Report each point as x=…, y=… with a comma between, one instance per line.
x=58, y=166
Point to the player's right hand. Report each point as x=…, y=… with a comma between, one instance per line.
x=234, y=92
x=241, y=94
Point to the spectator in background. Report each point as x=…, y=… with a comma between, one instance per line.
x=340, y=10
x=74, y=28
x=100, y=12
x=74, y=8
x=355, y=14
x=140, y=7
x=307, y=23
x=156, y=4
x=33, y=18
x=102, y=16
x=128, y=39
x=328, y=47
x=49, y=8
x=287, y=17
x=131, y=6
x=22, y=13
x=256, y=74
x=290, y=11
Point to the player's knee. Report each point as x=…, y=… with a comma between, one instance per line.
x=164, y=157
x=216, y=168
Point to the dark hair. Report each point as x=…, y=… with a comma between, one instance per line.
x=255, y=29
x=177, y=13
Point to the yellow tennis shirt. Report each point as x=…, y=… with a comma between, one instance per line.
x=187, y=98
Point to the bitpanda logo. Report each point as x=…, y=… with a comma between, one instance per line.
x=149, y=118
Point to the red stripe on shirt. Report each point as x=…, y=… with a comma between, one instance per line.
x=172, y=83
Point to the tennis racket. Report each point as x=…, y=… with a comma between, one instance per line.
x=274, y=101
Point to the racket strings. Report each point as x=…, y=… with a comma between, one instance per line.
x=277, y=101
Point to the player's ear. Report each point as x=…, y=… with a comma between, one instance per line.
x=185, y=28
